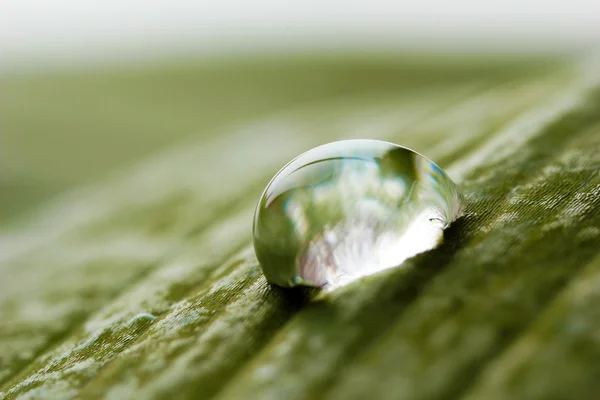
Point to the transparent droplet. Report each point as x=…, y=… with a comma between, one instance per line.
x=349, y=209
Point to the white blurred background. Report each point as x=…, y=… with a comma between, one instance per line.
x=83, y=31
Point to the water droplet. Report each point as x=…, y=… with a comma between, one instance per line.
x=142, y=317
x=349, y=209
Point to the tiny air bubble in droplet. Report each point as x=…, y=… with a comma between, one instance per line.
x=349, y=209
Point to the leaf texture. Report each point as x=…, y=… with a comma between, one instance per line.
x=143, y=283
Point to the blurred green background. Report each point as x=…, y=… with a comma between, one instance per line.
x=65, y=128
x=89, y=88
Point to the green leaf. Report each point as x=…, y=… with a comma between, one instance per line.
x=142, y=282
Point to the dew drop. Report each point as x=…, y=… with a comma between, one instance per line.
x=349, y=209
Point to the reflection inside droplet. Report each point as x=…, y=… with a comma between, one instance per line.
x=349, y=209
